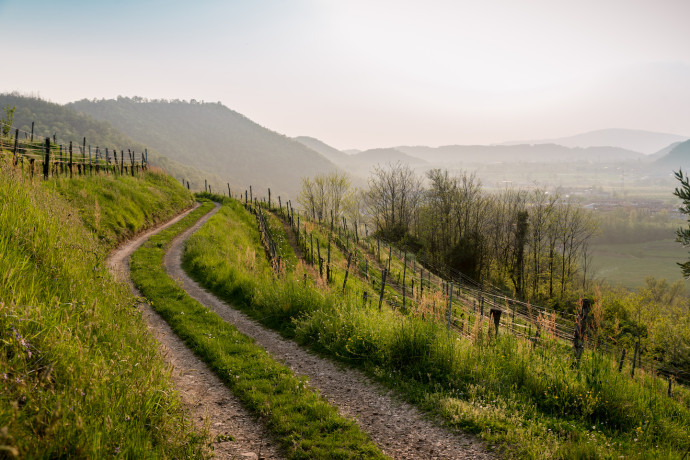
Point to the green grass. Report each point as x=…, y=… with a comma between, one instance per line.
x=527, y=399
x=80, y=376
x=630, y=264
x=116, y=209
x=303, y=422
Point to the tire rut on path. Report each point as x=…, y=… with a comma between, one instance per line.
x=210, y=403
x=398, y=428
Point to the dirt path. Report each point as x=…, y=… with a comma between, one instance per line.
x=398, y=428
x=209, y=402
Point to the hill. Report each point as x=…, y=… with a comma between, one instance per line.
x=646, y=142
x=538, y=153
x=332, y=154
x=663, y=152
x=678, y=157
x=67, y=125
x=212, y=138
x=363, y=162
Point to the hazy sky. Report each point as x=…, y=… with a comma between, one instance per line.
x=361, y=74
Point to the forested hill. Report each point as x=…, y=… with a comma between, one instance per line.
x=67, y=125
x=213, y=138
x=677, y=158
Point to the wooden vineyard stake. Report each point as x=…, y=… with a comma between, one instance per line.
x=46, y=159
x=328, y=262
x=620, y=364
x=347, y=271
x=403, y=279
x=318, y=253
x=383, y=285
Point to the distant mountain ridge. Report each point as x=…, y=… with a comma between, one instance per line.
x=213, y=138
x=541, y=153
x=647, y=142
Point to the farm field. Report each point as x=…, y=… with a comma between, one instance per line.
x=629, y=264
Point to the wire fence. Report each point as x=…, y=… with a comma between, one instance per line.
x=410, y=283
x=50, y=158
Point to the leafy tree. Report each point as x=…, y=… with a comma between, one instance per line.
x=683, y=234
x=8, y=120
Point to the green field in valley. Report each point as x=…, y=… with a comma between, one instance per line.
x=629, y=264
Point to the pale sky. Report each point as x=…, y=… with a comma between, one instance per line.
x=364, y=74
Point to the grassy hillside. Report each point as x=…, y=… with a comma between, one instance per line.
x=80, y=377
x=213, y=138
x=524, y=394
x=69, y=125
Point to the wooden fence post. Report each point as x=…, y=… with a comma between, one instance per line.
x=318, y=254
x=383, y=285
x=637, y=347
x=311, y=239
x=347, y=270
x=70, y=159
x=46, y=159
x=122, y=162
x=495, y=313
x=269, y=198
x=620, y=364
x=403, y=279
x=390, y=254
x=580, y=329
x=328, y=263
x=16, y=141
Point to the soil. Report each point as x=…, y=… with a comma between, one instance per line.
x=398, y=428
x=235, y=433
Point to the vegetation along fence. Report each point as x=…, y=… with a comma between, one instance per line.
x=412, y=284
x=49, y=157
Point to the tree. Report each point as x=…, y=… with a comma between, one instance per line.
x=8, y=120
x=683, y=234
x=394, y=194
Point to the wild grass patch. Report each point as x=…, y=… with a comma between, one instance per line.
x=80, y=376
x=525, y=397
x=304, y=423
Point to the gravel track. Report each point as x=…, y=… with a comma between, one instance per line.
x=398, y=428
x=211, y=404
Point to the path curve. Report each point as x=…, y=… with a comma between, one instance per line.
x=398, y=428
x=210, y=403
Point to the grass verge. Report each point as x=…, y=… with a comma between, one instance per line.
x=528, y=399
x=305, y=425
x=80, y=376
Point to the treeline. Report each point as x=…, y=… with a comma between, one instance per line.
x=534, y=242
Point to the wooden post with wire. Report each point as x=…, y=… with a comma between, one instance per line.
x=383, y=285
x=46, y=159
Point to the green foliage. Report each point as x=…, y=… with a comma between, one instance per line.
x=306, y=425
x=683, y=234
x=528, y=398
x=80, y=376
x=8, y=120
